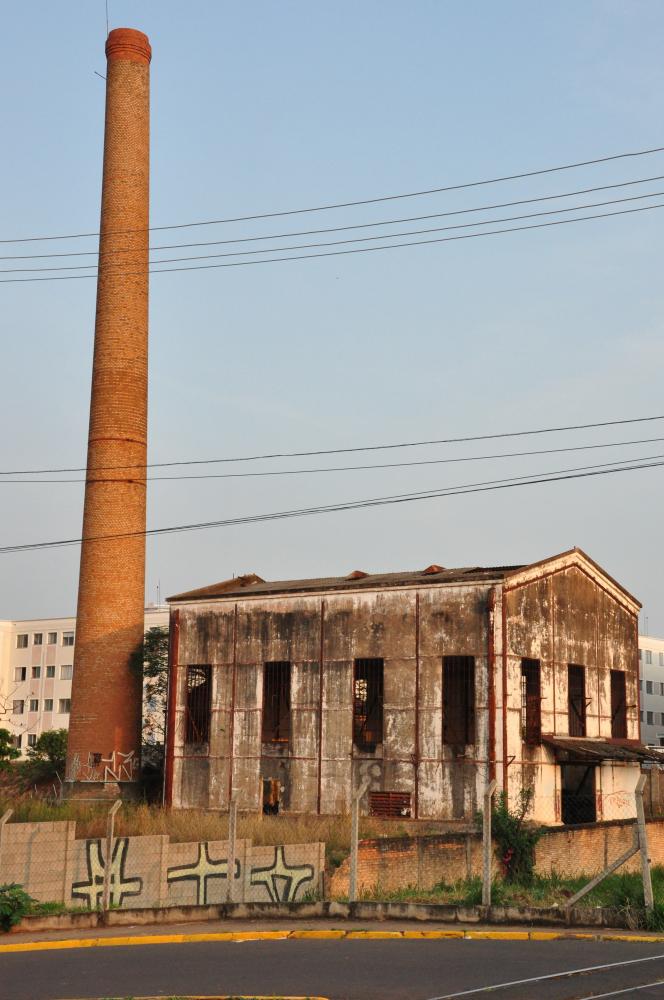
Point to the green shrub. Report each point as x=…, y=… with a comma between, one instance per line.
x=14, y=904
x=515, y=837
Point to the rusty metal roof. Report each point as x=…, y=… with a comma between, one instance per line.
x=250, y=584
x=572, y=749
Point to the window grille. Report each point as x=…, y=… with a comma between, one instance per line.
x=531, y=704
x=459, y=700
x=368, y=704
x=576, y=699
x=198, y=705
x=618, y=705
x=388, y=804
x=276, y=702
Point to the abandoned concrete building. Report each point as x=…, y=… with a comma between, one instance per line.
x=422, y=686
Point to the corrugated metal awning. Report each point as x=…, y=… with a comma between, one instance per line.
x=570, y=749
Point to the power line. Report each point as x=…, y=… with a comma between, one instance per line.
x=561, y=475
x=354, y=468
x=340, y=229
x=345, y=451
x=363, y=201
x=338, y=253
x=356, y=239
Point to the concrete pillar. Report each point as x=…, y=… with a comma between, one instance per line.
x=106, y=692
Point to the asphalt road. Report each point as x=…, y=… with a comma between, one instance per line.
x=340, y=970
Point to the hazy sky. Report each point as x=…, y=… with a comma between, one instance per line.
x=260, y=107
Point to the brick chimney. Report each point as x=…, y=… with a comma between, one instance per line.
x=105, y=722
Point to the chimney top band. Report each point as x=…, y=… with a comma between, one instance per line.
x=127, y=43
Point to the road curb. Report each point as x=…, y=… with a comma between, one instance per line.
x=321, y=935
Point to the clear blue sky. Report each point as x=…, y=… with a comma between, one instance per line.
x=264, y=106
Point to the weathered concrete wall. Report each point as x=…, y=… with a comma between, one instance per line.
x=410, y=630
x=52, y=866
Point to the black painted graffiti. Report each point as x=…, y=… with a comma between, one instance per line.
x=201, y=872
x=121, y=886
x=281, y=880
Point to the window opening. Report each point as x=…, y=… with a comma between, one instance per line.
x=276, y=702
x=198, y=705
x=459, y=700
x=578, y=794
x=618, y=705
x=576, y=700
x=531, y=706
x=368, y=704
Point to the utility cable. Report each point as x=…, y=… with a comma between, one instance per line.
x=338, y=253
x=344, y=451
x=341, y=229
x=561, y=475
x=356, y=239
x=362, y=201
x=354, y=468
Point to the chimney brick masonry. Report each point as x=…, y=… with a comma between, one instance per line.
x=105, y=718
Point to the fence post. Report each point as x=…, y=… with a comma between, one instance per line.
x=643, y=843
x=3, y=820
x=108, y=857
x=486, y=844
x=232, y=834
x=354, y=837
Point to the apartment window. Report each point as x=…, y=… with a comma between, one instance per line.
x=199, y=704
x=34, y=704
x=22, y=641
x=649, y=719
x=661, y=722
x=640, y=685
x=640, y=716
x=368, y=704
x=50, y=670
x=640, y=655
x=648, y=687
x=36, y=673
x=66, y=671
x=20, y=673
x=576, y=699
x=276, y=702
x=459, y=700
x=37, y=638
x=661, y=687
x=648, y=655
x=52, y=638
x=64, y=706
x=618, y=705
x=67, y=638
x=17, y=740
x=531, y=715
x=18, y=706
x=661, y=659
x=32, y=739
x=48, y=704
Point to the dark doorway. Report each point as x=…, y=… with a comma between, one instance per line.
x=578, y=794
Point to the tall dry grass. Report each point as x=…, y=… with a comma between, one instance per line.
x=183, y=825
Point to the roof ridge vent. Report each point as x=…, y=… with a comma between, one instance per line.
x=432, y=569
x=357, y=574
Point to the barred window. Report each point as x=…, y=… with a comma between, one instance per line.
x=368, y=704
x=618, y=705
x=531, y=706
x=198, y=704
x=459, y=700
x=576, y=699
x=276, y=702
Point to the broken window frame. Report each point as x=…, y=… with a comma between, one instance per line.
x=276, y=714
x=531, y=702
x=576, y=700
x=197, y=704
x=618, y=705
x=368, y=694
x=459, y=700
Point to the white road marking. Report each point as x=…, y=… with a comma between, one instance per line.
x=629, y=989
x=552, y=975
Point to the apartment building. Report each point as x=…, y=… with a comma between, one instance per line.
x=36, y=669
x=651, y=690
